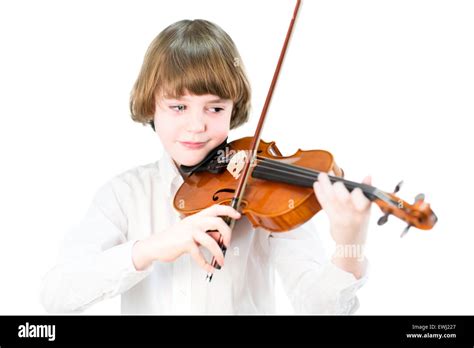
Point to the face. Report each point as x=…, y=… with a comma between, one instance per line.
x=191, y=126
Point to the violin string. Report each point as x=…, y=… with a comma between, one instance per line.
x=293, y=166
x=313, y=173
x=285, y=168
x=283, y=172
x=270, y=172
x=280, y=171
x=307, y=174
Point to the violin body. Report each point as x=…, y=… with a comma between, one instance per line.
x=275, y=206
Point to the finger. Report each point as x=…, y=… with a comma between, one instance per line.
x=318, y=191
x=321, y=195
x=326, y=188
x=341, y=193
x=367, y=180
x=360, y=202
x=200, y=260
x=214, y=235
x=221, y=210
x=323, y=179
x=210, y=244
x=216, y=223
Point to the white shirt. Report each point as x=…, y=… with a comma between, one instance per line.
x=95, y=261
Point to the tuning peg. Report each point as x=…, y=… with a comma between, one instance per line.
x=405, y=231
x=420, y=197
x=383, y=219
x=398, y=187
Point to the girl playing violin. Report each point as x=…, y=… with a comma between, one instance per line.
x=192, y=89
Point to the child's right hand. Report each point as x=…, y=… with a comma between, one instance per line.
x=187, y=236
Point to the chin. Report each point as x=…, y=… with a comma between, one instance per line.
x=191, y=160
x=192, y=157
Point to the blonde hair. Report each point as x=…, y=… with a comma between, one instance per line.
x=196, y=56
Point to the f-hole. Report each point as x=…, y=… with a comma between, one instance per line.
x=227, y=190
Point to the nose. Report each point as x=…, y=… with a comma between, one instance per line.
x=196, y=123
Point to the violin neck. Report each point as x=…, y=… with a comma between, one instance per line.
x=272, y=170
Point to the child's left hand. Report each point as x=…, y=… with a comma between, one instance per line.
x=349, y=215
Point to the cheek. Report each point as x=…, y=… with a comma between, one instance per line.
x=165, y=128
x=220, y=127
x=219, y=130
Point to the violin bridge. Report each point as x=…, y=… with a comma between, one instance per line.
x=237, y=164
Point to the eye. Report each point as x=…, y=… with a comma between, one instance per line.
x=216, y=110
x=179, y=108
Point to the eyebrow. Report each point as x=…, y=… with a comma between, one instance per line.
x=184, y=98
x=220, y=100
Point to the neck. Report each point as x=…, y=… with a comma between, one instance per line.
x=183, y=174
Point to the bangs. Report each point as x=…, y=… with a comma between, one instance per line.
x=198, y=66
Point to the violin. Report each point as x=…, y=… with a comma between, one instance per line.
x=279, y=195
x=275, y=192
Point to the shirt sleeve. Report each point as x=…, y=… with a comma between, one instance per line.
x=95, y=261
x=312, y=282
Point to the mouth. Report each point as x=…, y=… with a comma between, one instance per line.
x=193, y=145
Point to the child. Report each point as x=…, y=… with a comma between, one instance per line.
x=192, y=89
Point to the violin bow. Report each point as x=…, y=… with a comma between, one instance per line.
x=239, y=193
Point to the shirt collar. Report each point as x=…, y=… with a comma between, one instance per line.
x=170, y=174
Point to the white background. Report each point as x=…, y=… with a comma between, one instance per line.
x=386, y=86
